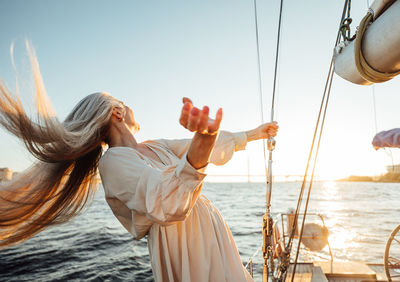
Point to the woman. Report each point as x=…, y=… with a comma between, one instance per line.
x=153, y=188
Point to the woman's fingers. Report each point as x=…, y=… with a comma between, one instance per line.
x=193, y=121
x=271, y=133
x=186, y=100
x=214, y=126
x=273, y=125
x=268, y=130
x=272, y=129
x=183, y=120
x=192, y=118
x=203, y=121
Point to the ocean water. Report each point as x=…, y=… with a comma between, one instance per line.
x=95, y=247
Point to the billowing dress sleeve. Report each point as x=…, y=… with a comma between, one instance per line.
x=389, y=138
x=163, y=195
x=227, y=143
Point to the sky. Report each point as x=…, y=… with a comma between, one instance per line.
x=150, y=54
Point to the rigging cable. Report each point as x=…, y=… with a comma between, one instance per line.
x=373, y=96
x=267, y=220
x=374, y=104
x=312, y=148
x=276, y=62
x=323, y=108
x=260, y=89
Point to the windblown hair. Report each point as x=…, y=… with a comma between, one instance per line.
x=63, y=179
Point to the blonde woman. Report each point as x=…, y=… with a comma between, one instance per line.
x=153, y=188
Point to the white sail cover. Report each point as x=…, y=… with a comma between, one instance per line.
x=381, y=45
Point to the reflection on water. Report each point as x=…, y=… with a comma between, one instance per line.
x=359, y=216
x=94, y=246
x=340, y=238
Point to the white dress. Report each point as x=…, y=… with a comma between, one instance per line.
x=188, y=239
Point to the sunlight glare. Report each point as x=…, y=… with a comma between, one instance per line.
x=331, y=185
x=341, y=240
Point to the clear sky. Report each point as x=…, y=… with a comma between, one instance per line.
x=152, y=53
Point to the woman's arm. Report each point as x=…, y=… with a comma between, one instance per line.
x=389, y=138
x=228, y=143
x=201, y=147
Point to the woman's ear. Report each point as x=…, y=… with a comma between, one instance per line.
x=117, y=113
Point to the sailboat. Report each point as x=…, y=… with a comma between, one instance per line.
x=370, y=56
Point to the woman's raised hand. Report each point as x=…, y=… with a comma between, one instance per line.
x=197, y=120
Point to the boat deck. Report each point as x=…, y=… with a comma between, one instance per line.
x=338, y=272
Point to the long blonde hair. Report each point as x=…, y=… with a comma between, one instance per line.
x=61, y=182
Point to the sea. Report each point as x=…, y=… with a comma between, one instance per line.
x=95, y=247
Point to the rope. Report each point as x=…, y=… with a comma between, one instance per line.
x=367, y=71
x=345, y=29
x=323, y=109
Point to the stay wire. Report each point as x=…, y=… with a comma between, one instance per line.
x=315, y=134
x=299, y=201
x=374, y=105
x=276, y=62
x=271, y=141
x=324, y=104
x=312, y=175
x=260, y=88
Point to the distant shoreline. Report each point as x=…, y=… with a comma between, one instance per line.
x=390, y=177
